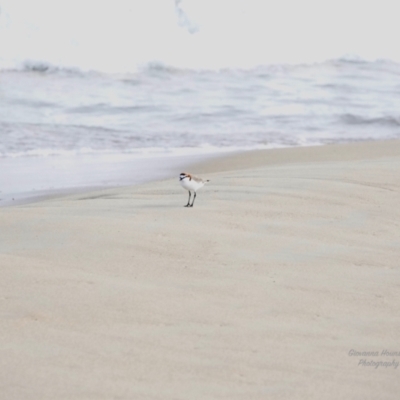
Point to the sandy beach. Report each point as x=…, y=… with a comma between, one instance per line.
x=282, y=282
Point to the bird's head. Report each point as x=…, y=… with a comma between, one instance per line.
x=184, y=175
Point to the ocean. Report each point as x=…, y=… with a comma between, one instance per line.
x=122, y=82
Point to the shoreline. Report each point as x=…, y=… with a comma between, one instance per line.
x=350, y=151
x=32, y=179
x=288, y=261
x=80, y=174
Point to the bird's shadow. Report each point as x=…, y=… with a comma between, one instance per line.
x=162, y=206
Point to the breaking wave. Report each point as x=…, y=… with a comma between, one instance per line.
x=381, y=121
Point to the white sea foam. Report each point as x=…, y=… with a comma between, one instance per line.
x=145, y=152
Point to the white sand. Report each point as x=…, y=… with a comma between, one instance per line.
x=289, y=260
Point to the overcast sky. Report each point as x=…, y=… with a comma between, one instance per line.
x=119, y=34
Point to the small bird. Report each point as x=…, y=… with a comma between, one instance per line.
x=191, y=184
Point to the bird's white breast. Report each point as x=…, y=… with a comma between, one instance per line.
x=191, y=184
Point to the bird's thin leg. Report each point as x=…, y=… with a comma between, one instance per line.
x=194, y=198
x=188, y=204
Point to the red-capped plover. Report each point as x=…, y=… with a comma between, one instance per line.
x=191, y=184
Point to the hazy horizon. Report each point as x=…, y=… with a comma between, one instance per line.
x=122, y=35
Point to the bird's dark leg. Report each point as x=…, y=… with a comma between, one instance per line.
x=188, y=204
x=194, y=198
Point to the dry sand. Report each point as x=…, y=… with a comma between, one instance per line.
x=289, y=260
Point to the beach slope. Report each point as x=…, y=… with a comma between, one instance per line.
x=281, y=282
